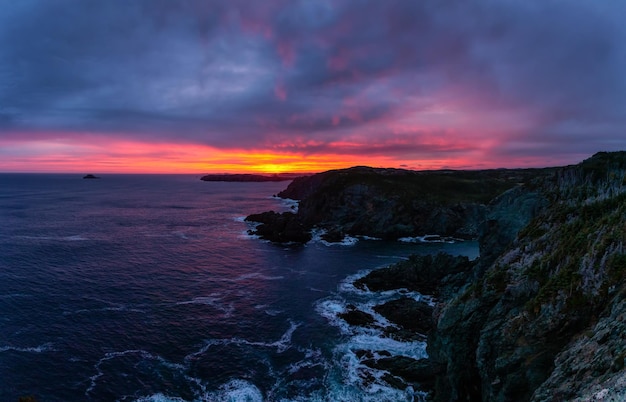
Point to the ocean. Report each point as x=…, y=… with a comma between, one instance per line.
x=148, y=288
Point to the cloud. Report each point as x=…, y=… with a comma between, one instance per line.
x=504, y=77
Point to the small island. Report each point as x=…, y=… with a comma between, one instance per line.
x=90, y=176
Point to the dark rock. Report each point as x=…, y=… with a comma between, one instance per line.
x=280, y=228
x=333, y=236
x=422, y=372
x=408, y=314
x=427, y=274
x=90, y=176
x=357, y=318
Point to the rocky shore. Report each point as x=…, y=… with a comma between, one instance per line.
x=539, y=316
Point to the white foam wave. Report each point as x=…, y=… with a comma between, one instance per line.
x=247, y=235
x=159, y=398
x=318, y=233
x=145, y=355
x=46, y=347
x=414, y=349
x=358, y=381
x=281, y=345
x=268, y=311
x=120, y=309
x=347, y=241
x=370, y=238
x=347, y=286
x=289, y=203
x=56, y=238
x=213, y=300
x=430, y=239
x=258, y=275
x=236, y=390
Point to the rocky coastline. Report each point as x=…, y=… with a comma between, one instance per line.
x=391, y=203
x=539, y=316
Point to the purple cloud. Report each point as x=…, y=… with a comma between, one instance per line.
x=512, y=78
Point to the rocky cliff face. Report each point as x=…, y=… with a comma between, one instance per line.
x=541, y=316
x=543, y=321
x=394, y=203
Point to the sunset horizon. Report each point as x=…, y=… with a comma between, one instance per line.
x=160, y=87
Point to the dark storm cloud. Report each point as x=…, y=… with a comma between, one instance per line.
x=247, y=74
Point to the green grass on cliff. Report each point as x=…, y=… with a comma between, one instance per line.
x=579, y=244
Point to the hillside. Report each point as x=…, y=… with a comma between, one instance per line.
x=392, y=203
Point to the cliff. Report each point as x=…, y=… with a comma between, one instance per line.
x=513, y=330
x=539, y=316
x=395, y=203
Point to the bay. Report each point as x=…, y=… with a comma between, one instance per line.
x=148, y=287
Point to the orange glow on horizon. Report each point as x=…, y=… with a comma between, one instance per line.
x=106, y=156
x=133, y=157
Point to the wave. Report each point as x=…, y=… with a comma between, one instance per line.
x=290, y=204
x=56, y=238
x=236, y=390
x=317, y=237
x=430, y=239
x=144, y=355
x=96, y=310
x=371, y=340
x=347, y=286
x=257, y=275
x=46, y=347
x=14, y=296
x=281, y=344
x=213, y=300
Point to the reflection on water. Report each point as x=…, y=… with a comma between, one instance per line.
x=147, y=288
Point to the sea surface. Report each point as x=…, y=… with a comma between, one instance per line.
x=148, y=288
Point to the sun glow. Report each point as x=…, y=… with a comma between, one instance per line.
x=103, y=155
x=107, y=156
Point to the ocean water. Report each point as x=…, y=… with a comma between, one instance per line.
x=148, y=288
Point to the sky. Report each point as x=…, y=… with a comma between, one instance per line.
x=166, y=86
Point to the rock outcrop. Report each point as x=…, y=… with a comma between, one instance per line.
x=280, y=227
x=395, y=203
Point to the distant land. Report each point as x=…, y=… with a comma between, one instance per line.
x=248, y=177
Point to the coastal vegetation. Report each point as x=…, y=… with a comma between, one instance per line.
x=539, y=316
